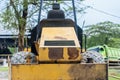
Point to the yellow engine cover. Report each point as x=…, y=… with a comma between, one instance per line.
x=59, y=44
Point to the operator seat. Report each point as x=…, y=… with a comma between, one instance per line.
x=56, y=13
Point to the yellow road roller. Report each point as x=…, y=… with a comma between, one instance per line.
x=56, y=53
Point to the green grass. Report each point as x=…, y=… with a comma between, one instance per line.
x=114, y=73
x=111, y=78
x=3, y=68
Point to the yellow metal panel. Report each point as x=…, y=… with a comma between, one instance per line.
x=27, y=49
x=58, y=33
x=44, y=52
x=59, y=72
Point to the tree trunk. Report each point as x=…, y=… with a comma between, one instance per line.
x=20, y=42
x=22, y=18
x=22, y=26
x=21, y=35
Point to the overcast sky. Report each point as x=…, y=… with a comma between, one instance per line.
x=104, y=10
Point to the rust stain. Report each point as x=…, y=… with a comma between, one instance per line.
x=56, y=53
x=58, y=37
x=28, y=58
x=73, y=53
x=87, y=72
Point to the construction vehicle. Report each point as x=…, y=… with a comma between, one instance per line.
x=108, y=53
x=56, y=53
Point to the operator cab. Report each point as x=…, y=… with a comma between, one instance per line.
x=57, y=34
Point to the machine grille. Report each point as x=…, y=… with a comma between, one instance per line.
x=60, y=43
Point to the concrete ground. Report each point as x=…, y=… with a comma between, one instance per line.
x=3, y=75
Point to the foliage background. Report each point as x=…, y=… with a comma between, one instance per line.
x=103, y=33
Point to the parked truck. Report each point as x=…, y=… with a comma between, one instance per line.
x=108, y=53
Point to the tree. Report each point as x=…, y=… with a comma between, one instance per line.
x=21, y=14
x=15, y=17
x=103, y=33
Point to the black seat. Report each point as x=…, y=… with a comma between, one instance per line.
x=56, y=13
